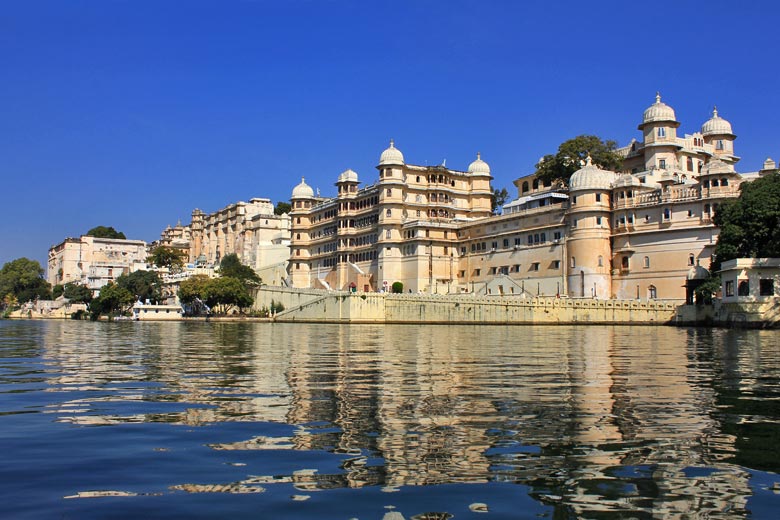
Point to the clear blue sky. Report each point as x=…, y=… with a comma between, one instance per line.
x=132, y=113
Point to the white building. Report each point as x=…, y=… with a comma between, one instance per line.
x=750, y=280
x=93, y=261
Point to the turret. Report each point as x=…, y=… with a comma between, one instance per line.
x=659, y=128
x=717, y=133
x=588, y=244
x=302, y=200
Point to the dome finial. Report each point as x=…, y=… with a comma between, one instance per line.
x=391, y=156
x=479, y=155
x=658, y=97
x=588, y=161
x=715, y=111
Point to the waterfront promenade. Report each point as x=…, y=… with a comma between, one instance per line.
x=307, y=305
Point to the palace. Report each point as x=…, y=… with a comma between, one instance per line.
x=249, y=230
x=644, y=232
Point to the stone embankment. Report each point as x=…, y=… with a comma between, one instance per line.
x=303, y=305
x=748, y=315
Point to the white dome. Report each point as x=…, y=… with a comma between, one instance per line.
x=626, y=181
x=591, y=177
x=479, y=166
x=716, y=125
x=697, y=273
x=302, y=191
x=348, y=176
x=658, y=111
x=391, y=156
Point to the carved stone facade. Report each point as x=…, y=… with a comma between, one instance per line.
x=250, y=230
x=630, y=234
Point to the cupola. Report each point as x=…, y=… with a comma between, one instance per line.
x=348, y=176
x=302, y=191
x=659, y=112
x=479, y=166
x=716, y=125
x=392, y=156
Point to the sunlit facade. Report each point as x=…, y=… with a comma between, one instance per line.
x=639, y=233
x=93, y=261
x=250, y=230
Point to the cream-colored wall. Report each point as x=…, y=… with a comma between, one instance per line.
x=324, y=306
x=93, y=261
x=668, y=253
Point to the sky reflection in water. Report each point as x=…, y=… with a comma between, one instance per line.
x=210, y=420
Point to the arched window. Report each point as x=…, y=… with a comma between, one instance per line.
x=525, y=186
x=601, y=261
x=662, y=132
x=536, y=184
x=690, y=164
x=652, y=293
x=691, y=259
x=624, y=262
x=647, y=262
x=388, y=212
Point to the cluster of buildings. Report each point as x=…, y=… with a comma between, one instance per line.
x=250, y=230
x=643, y=232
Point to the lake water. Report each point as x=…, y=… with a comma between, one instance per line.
x=282, y=421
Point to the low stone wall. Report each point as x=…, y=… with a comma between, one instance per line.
x=502, y=310
x=342, y=307
x=740, y=315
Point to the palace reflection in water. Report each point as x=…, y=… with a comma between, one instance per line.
x=594, y=420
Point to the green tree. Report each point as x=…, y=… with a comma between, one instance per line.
x=23, y=279
x=750, y=225
x=397, y=287
x=163, y=256
x=224, y=292
x=144, y=285
x=57, y=291
x=282, y=207
x=499, y=198
x=77, y=293
x=193, y=288
x=566, y=161
x=749, y=228
x=9, y=303
x=105, y=232
x=113, y=300
x=231, y=267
